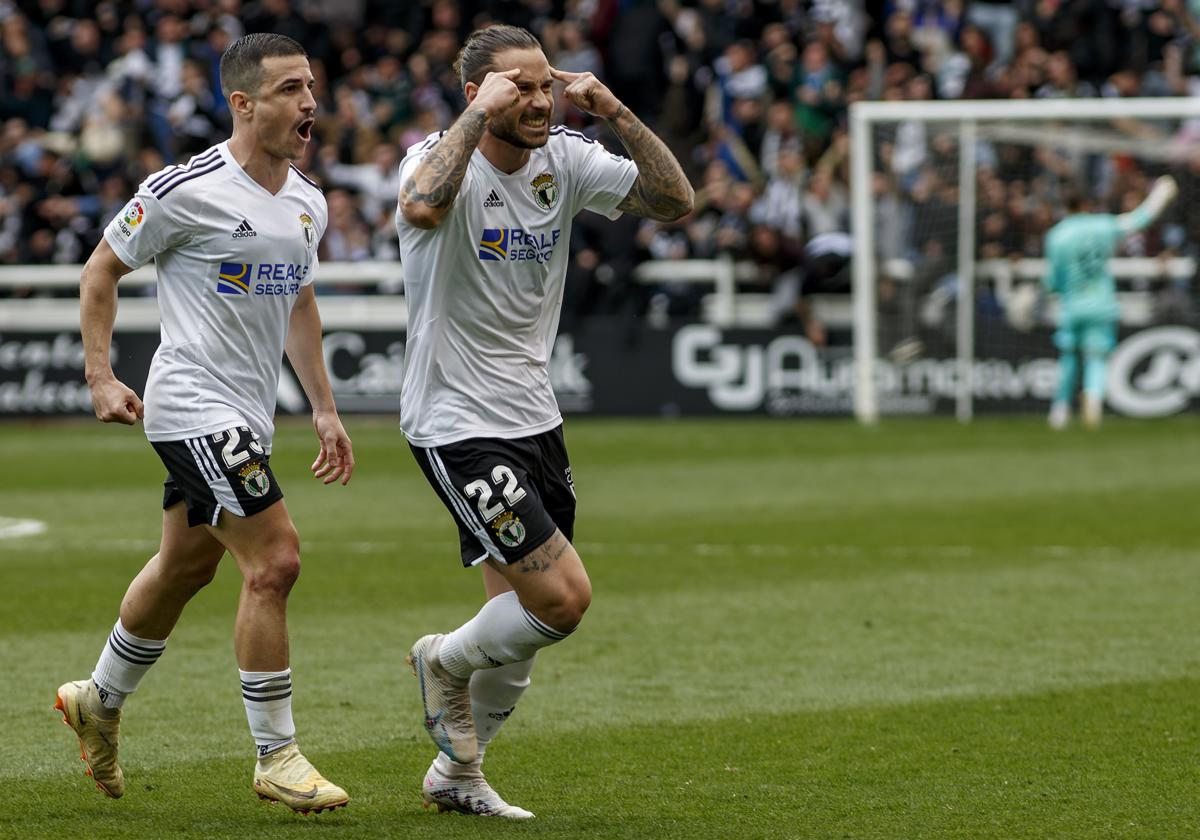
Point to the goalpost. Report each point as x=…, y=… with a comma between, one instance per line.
x=928, y=244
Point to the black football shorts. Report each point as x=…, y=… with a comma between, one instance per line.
x=506, y=496
x=226, y=470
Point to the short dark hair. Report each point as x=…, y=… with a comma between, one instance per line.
x=474, y=60
x=1075, y=199
x=241, y=63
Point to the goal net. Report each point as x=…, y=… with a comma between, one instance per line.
x=952, y=202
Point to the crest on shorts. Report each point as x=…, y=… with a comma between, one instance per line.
x=255, y=480
x=310, y=230
x=509, y=529
x=545, y=191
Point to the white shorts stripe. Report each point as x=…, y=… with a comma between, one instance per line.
x=201, y=461
x=462, y=506
x=222, y=490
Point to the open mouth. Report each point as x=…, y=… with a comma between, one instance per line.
x=305, y=130
x=534, y=123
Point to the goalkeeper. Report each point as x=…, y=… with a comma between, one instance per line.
x=1077, y=253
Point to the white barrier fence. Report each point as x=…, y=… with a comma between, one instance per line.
x=368, y=294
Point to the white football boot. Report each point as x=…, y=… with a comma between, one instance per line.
x=287, y=776
x=1060, y=415
x=467, y=793
x=447, y=701
x=98, y=730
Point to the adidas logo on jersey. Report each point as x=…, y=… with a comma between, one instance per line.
x=244, y=231
x=493, y=200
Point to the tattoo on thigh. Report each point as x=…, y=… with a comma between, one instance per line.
x=533, y=563
x=543, y=557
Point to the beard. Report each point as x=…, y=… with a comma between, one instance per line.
x=511, y=133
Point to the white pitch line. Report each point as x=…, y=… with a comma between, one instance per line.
x=11, y=528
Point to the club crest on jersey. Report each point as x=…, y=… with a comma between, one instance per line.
x=309, y=229
x=131, y=217
x=509, y=529
x=545, y=191
x=255, y=480
x=234, y=279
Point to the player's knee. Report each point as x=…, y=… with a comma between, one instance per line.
x=278, y=567
x=276, y=575
x=565, y=611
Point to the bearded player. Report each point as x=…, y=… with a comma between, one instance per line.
x=484, y=219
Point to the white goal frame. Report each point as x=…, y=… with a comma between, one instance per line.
x=864, y=116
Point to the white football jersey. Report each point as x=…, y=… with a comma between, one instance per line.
x=231, y=259
x=484, y=289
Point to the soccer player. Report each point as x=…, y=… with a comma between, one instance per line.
x=485, y=219
x=1078, y=249
x=234, y=234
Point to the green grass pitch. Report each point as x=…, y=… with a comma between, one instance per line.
x=800, y=629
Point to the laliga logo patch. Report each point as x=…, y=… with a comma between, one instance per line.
x=254, y=479
x=131, y=217
x=509, y=529
x=134, y=213
x=545, y=190
x=310, y=230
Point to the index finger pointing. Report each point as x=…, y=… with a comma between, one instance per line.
x=564, y=76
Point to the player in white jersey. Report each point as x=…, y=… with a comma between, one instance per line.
x=234, y=233
x=485, y=220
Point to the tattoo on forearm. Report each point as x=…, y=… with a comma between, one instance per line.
x=437, y=178
x=661, y=190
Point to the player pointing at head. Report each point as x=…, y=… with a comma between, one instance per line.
x=234, y=234
x=485, y=217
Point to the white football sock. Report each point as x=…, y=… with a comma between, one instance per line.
x=494, y=695
x=268, y=698
x=123, y=662
x=502, y=632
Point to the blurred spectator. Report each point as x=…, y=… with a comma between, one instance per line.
x=348, y=237
x=753, y=98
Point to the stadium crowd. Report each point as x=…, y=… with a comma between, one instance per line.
x=751, y=95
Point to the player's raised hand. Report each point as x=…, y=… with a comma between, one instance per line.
x=1168, y=185
x=336, y=458
x=497, y=92
x=587, y=93
x=115, y=402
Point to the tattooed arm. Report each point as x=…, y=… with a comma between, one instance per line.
x=426, y=197
x=661, y=191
